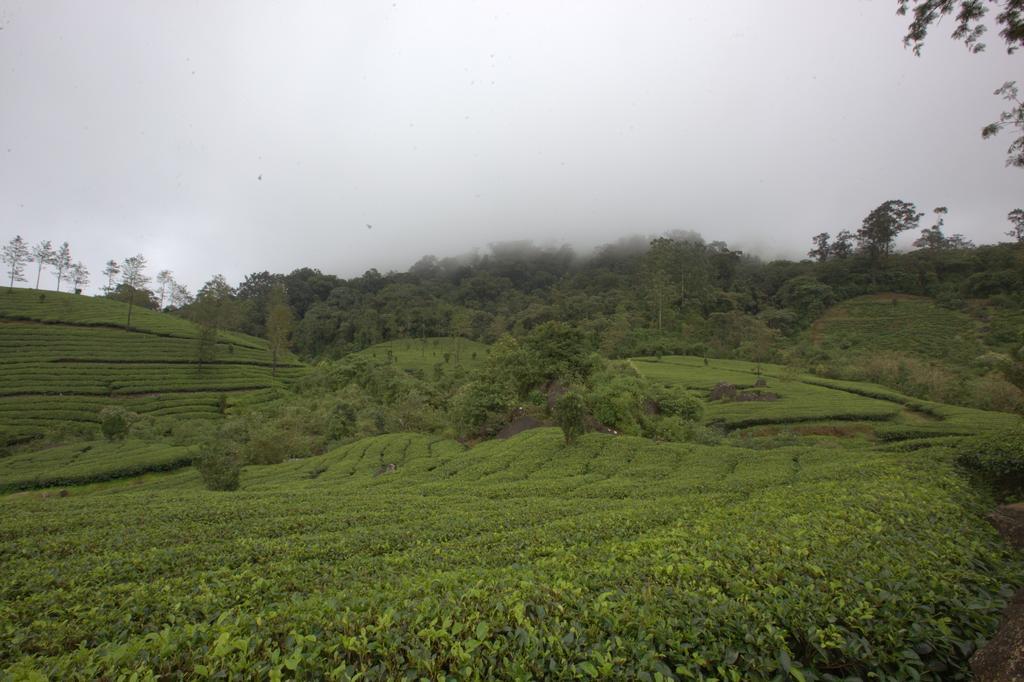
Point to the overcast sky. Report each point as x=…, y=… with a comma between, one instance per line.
x=234, y=137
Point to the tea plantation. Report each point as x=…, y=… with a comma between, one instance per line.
x=423, y=355
x=65, y=357
x=767, y=547
x=615, y=557
x=893, y=322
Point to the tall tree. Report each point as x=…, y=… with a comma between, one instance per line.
x=211, y=311
x=658, y=275
x=822, y=248
x=970, y=28
x=165, y=280
x=79, y=276
x=42, y=254
x=111, y=271
x=1016, y=218
x=61, y=262
x=133, y=278
x=15, y=254
x=883, y=224
x=932, y=237
x=842, y=245
x=180, y=295
x=279, y=324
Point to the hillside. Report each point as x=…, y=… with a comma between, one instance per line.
x=423, y=355
x=804, y=398
x=899, y=322
x=65, y=357
x=519, y=558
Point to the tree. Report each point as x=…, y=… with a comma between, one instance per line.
x=15, y=254
x=1016, y=218
x=657, y=274
x=165, y=280
x=111, y=271
x=79, y=276
x=180, y=295
x=212, y=312
x=842, y=245
x=821, y=249
x=881, y=226
x=1011, y=118
x=115, y=422
x=279, y=325
x=970, y=28
x=570, y=412
x=219, y=464
x=43, y=254
x=133, y=277
x=61, y=262
x=931, y=237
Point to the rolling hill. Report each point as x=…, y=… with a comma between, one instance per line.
x=64, y=357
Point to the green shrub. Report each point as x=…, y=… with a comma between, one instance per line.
x=569, y=414
x=676, y=402
x=219, y=465
x=996, y=459
x=617, y=402
x=114, y=422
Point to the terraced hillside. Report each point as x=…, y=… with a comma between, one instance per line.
x=423, y=355
x=65, y=357
x=615, y=557
x=899, y=322
x=804, y=398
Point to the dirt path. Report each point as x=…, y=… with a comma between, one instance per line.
x=1002, y=659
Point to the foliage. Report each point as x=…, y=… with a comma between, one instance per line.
x=219, y=465
x=114, y=422
x=675, y=401
x=612, y=557
x=569, y=413
x=998, y=459
x=970, y=28
x=85, y=462
x=14, y=255
x=883, y=224
x=133, y=278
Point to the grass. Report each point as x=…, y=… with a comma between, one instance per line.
x=615, y=557
x=64, y=357
x=87, y=462
x=422, y=355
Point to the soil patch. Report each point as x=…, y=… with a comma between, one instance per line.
x=1002, y=659
x=519, y=425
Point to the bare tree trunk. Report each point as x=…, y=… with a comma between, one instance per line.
x=131, y=301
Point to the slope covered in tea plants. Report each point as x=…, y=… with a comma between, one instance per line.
x=898, y=322
x=614, y=557
x=65, y=357
x=424, y=355
x=799, y=398
x=87, y=462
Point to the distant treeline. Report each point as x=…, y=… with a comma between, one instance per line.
x=673, y=294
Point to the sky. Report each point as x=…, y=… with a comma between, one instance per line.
x=235, y=137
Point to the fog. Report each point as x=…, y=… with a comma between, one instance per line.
x=233, y=137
